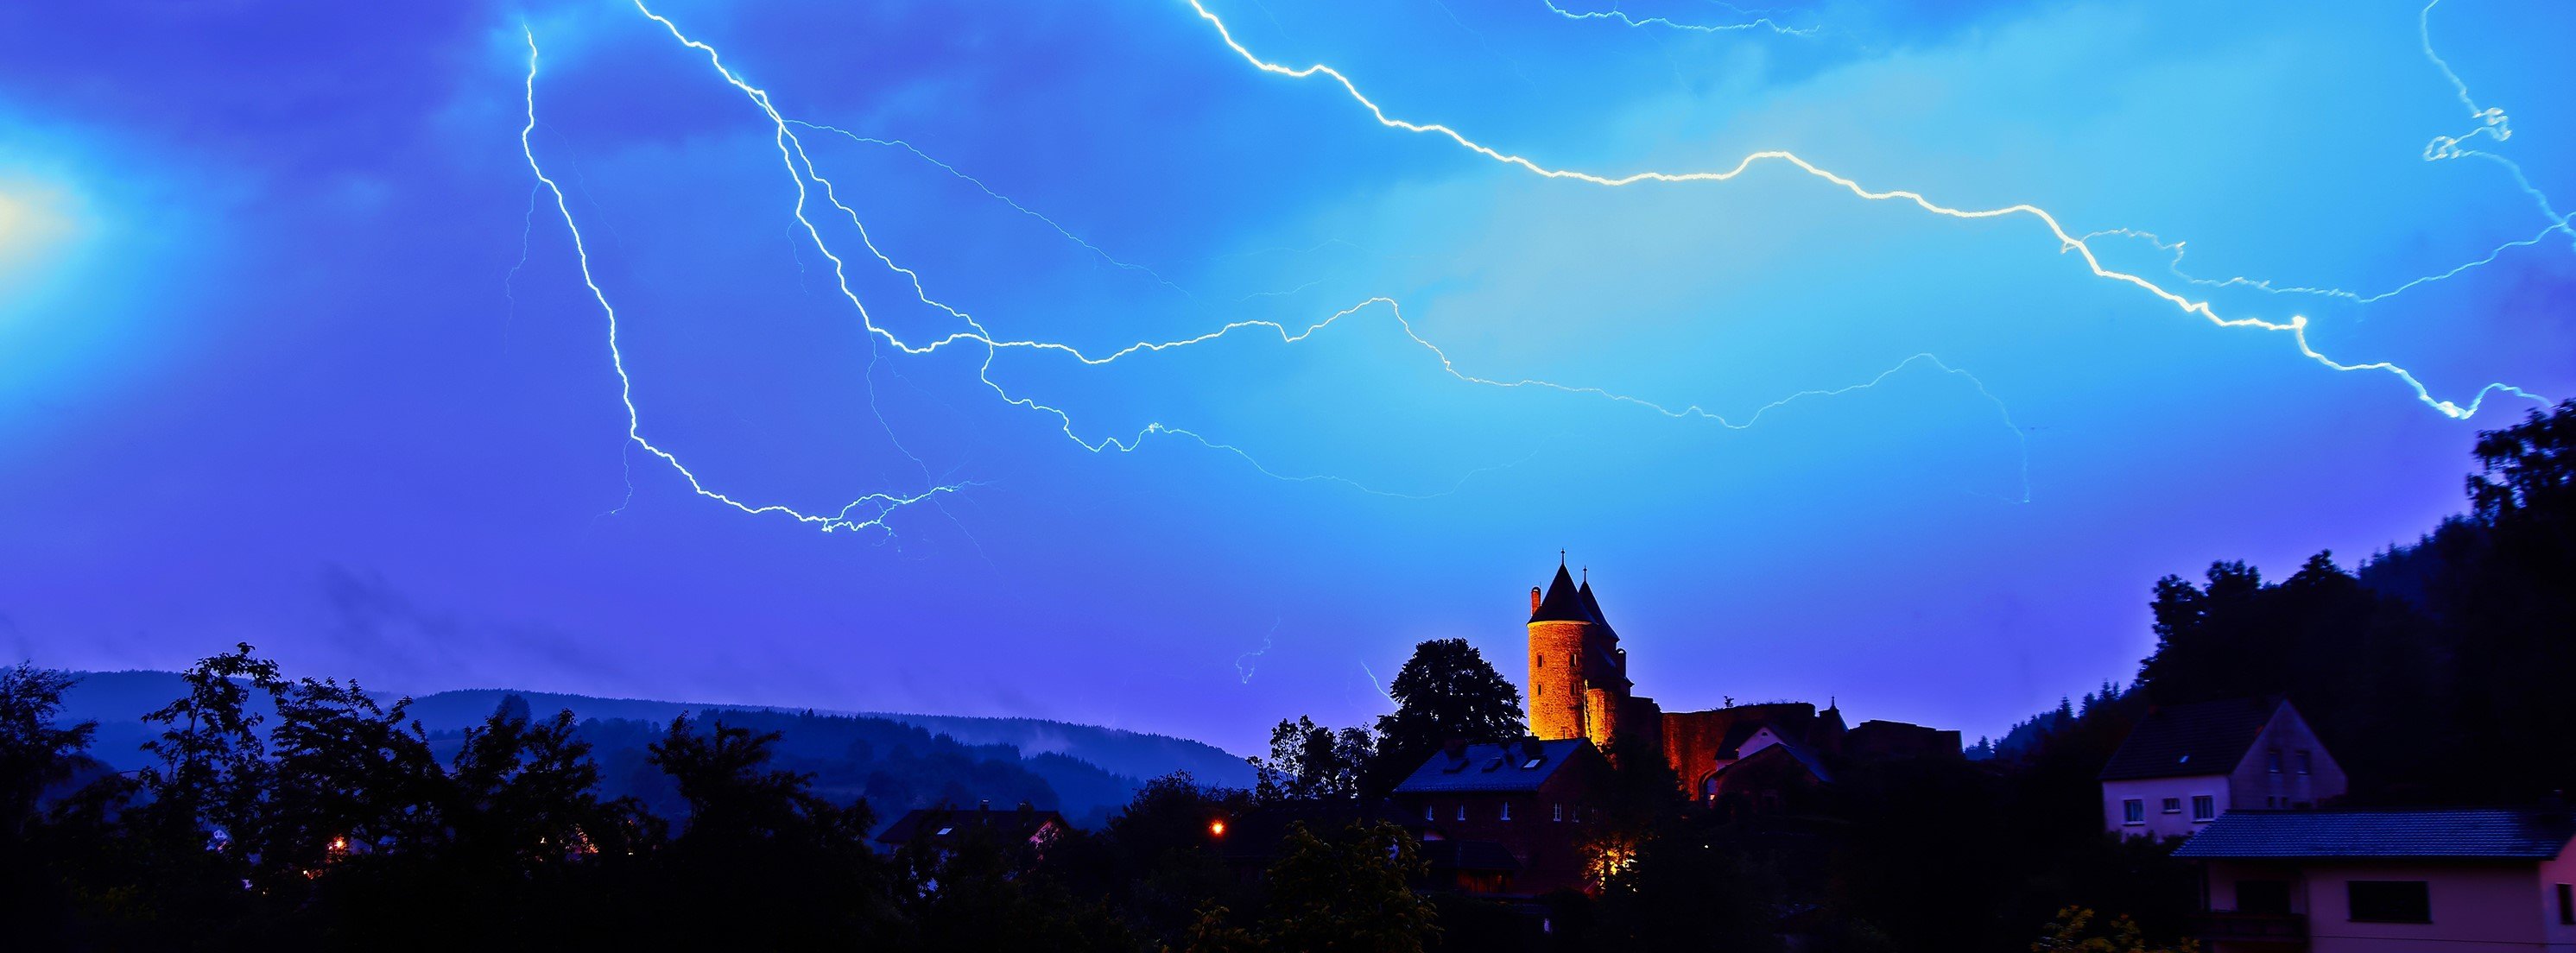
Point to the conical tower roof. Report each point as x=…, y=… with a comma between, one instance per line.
x=1590, y=604
x=1564, y=601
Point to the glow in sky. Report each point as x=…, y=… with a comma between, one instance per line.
x=1182, y=363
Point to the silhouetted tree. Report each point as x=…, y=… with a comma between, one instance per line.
x=1309, y=762
x=34, y=751
x=1446, y=690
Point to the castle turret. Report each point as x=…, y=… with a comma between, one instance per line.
x=1560, y=632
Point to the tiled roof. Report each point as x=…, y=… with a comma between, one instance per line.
x=1503, y=767
x=2445, y=833
x=2185, y=740
x=1563, y=602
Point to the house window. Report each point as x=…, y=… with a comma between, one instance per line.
x=1462, y=811
x=2390, y=901
x=2272, y=760
x=1430, y=813
x=2306, y=761
x=2203, y=807
x=2567, y=903
x=2173, y=805
x=1560, y=813
x=1507, y=810
x=2133, y=811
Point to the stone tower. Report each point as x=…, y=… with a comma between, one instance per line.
x=1578, y=675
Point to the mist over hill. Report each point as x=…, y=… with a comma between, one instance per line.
x=897, y=761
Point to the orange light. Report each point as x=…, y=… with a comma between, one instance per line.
x=1216, y=828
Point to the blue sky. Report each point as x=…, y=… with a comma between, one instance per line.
x=295, y=348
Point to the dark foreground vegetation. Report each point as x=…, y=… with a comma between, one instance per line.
x=280, y=810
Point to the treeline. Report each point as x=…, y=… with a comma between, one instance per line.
x=2437, y=673
x=282, y=810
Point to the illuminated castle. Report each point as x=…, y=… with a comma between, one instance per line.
x=1578, y=674
x=1757, y=756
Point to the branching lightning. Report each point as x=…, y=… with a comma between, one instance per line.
x=2296, y=327
x=866, y=512
x=2493, y=124
x=872, y=511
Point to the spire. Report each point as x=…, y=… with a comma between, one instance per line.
x=1563, y=601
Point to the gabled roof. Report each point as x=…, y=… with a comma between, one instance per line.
x=2442, y=833
x=1564, y=601
x=1495, y=768
x=2188, y=740
x=1803, y=755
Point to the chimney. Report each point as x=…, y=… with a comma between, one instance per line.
x=1026, y=810
x=1456, y=748
x=986, y=807
x=1530, y=747
x=1535, y=598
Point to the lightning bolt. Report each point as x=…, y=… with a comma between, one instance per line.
x=1614, y=14
x=1374, y=683
x=2175, y=249
x=866, y=512
x=1246, y=670
x=802, y=170
x=2492, y=124
x=2296, y=327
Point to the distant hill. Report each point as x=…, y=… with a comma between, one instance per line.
x=896, y=760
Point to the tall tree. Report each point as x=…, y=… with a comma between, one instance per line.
x=1446, y=690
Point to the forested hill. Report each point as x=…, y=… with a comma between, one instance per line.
x=2434, y=672
x=898, y=761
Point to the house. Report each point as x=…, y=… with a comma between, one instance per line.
x=2378, y=881
x=1528, y=802
x=945, y=829
x=2183, y=766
